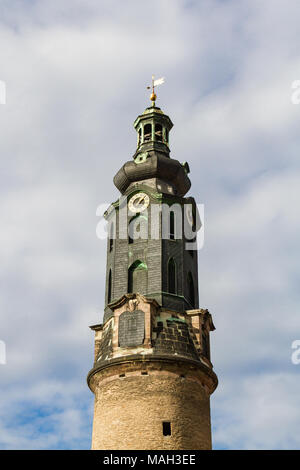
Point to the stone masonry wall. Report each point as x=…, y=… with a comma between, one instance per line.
x=132, y=402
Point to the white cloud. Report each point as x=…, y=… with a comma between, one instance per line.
x=254, y=413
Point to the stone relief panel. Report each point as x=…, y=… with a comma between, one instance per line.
x=131, y=328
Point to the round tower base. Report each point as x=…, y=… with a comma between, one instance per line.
x=151, y=405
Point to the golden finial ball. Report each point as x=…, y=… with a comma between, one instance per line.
x=153, y=96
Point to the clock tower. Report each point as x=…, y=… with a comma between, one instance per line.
x=152, y=376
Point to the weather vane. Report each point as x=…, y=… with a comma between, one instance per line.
x=155, y=83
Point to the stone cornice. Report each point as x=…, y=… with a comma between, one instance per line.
x=155, y=358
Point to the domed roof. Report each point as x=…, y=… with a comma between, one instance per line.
x=155, y=166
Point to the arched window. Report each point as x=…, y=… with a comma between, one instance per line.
x=109, y=287
x=172, y=225
x=172, y=276
x=191, y=290
x=147, y=132
x=158, y=132
x=137, y=277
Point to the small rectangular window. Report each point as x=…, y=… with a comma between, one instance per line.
x=166, y=428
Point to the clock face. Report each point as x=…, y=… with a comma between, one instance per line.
x=139, y=202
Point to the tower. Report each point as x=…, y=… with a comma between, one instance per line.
x=152, y=377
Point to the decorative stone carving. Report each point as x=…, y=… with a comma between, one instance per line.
x=132, y=304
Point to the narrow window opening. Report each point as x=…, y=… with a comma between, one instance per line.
x=172, y=226
x=147, y=132
x=111, y=236
x=139, y=137
x=109, y=287
x=166, y=428
x=158, y=132
x=130, y=280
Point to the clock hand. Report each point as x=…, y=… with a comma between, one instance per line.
x=139, y=200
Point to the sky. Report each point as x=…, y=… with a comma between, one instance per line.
x=76, y=73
